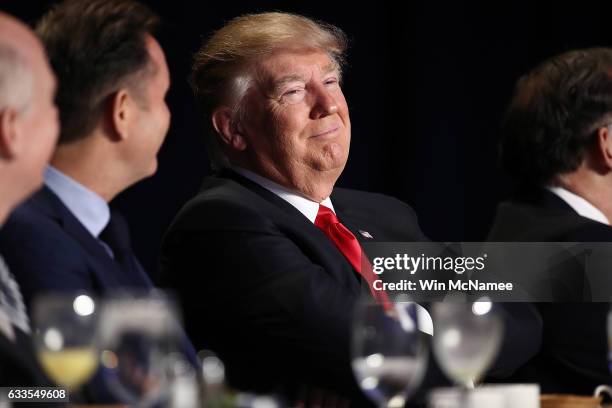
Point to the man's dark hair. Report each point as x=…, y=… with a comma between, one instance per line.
x=555, y=113
x=95, y=47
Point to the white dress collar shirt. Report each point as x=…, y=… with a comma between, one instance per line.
x=579, y=204
x=88, y=207
x=309, y=208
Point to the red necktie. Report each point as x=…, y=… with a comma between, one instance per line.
x=346, y=242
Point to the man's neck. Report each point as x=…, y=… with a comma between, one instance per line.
x=90, y=166
x=303, y=204
x=315, y=187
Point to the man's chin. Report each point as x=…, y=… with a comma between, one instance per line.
x=153, y=168
x=334, y=156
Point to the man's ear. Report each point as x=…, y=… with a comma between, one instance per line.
x=120, y=109
x=11, y=137
x=604, y=146
x=230, y=132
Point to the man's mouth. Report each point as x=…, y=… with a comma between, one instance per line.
x=327, y=132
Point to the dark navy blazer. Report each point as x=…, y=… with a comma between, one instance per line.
x=48, y=249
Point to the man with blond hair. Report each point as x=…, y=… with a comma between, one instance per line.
x=266, y=258
x=28, y=131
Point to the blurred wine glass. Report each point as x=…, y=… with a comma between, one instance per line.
x=467, y=337
x=606, y=389
x=610, y=339
x=65, y=337
x=389, y=352
x=142, y=349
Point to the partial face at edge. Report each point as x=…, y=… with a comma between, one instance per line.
x=39, y=123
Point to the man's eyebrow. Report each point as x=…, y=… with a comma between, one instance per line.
x=278, y=84
x=332, y=66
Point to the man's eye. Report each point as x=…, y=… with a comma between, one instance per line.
x=293, y=95
x=293, y=91
x=331, y=81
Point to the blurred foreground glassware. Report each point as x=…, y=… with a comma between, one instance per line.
x=606, y=389
x=141, y=341
x=467, y=336
x=65, y=337
x=389, y=352
x=218, y=395
x=610, y=340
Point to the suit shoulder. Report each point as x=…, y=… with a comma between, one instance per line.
x=27, y=218
x=376, y=202
x=591, y=231
x=31, y=228
x=223, y=209
x=517, y=221
x=395, y=218
x=32, y=241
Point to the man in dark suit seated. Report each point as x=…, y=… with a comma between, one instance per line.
x=113, y=79
x=256, y=256
x=266, y=258
x=557, y=143
x=28, y=131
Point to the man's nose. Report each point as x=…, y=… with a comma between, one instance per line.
x=324, y=104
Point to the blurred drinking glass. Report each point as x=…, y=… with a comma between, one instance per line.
x=65, y=337
x=389, y=352
x=142, y=349
x=467, y=336
x=610, y=340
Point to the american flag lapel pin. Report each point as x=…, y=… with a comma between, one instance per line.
x=366, y=234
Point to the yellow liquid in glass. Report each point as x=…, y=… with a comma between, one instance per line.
x=70, y=367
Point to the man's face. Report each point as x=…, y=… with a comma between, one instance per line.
x=296, y=122
x=152, y=119
x=39, y=122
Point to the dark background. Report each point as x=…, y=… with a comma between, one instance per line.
x=426, y=83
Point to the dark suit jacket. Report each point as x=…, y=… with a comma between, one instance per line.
x=48, y=249
x=573, y=356
x=18, y=364
x=265, y=288
x=20, y=368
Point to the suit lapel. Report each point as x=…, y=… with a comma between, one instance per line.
x=104, y=267
x=269, y=197
x=281, y=208
x=352, y=223
x=352, y=226
x=294, y=212
x=263, y=192
x=290, y=210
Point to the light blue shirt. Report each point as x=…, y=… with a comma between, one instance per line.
x=89, y=208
